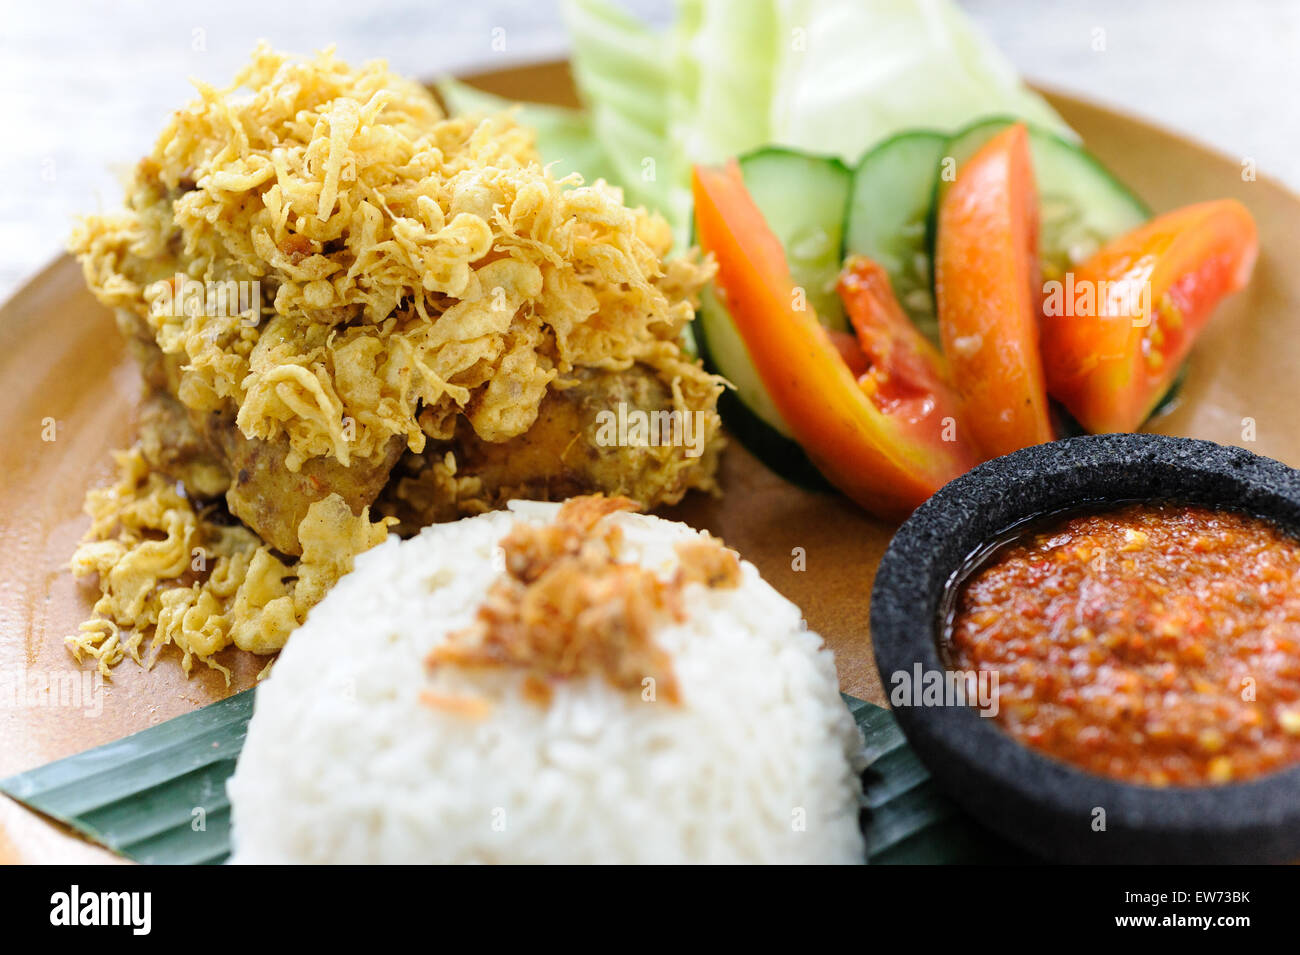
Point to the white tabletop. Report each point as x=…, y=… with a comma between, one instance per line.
x=85, y=86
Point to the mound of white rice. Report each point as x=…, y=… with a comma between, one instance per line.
x=758, y=761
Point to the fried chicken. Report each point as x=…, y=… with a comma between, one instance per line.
x=413, y=314
x=571, y=449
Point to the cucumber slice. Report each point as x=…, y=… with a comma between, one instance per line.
x=803, y=197
x=748, y=411
x=1081, y=204
x=889, y=207
x=724, y=352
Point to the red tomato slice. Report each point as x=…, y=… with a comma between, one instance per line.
x=879, y=460
x=1126, y=319
x=988, y=289
x=847, y=345
x=905, y=375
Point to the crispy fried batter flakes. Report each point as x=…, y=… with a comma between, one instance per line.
x=200, y=585
x=411, y=266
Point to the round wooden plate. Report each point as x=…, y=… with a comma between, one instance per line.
x=66, y=377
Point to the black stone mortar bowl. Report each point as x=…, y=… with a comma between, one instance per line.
x=1047, y=806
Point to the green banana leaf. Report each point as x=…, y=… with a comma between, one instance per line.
x=159, y=796
x=156, y=796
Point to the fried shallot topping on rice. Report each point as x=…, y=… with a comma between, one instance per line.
x=566, y=607
x=705, y=561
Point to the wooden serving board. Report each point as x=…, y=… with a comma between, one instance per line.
x=61, y=359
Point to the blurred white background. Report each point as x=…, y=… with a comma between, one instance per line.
x=84, y=87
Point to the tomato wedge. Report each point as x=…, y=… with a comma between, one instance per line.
x=988, y=290
x=905, y=375
x=1116, y=332
x=847, y=345
x=878, y=459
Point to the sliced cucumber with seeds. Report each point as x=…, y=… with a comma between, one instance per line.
x=803, y=197
x=1081, y=204
x=889, y=207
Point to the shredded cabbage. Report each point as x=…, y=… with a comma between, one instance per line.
x=853, y=74
x=819, y=75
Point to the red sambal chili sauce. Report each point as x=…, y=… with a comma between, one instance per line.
x=1157, y=644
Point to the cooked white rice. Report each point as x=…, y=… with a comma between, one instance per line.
x=343, y=763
